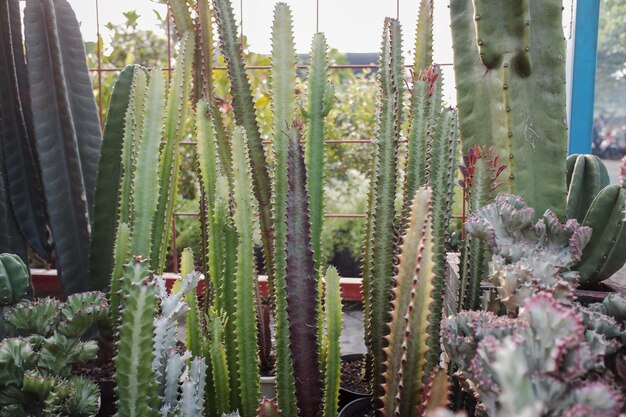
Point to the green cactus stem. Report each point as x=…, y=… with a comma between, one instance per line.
x=245, y=314
x=169, y=165
x=195, y=338
x=15, y=281
x=606, y=252
x=245, y=116
x=145, y=179
x=586, y=177
x=133, y=362
x=106, y=203
x=320, y=101
x=208, y=166
x=510, y=67
x=219, y=366
x=410, y=317
x=301, y=287
x=283, y=81
x=382, y=210
x=334, y=323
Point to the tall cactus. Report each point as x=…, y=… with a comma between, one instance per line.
x=110, y=172
x=379, y=253
x=408, y=330
x=301, y=282
x=169, y=164
x=510, y=67
x=334, y=323
x=245, y=318
x=283, y=81
x=245, y=116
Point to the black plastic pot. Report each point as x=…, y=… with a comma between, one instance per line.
x=346, y=396
x=357, y=408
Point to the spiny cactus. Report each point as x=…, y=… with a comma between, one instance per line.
x=407, y=342
x=219, y=366
x=245, y=116
x=539, y=364
x=245, y=316
x=334, y=323
x=283, y=81
x=301, y=286
x=379, y=249
x=150, y=373
x=110, y=171
x=481, y=170
x=36, y=369
x=510, y=73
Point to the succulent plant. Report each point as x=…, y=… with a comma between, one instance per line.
x=509, y=63
x=539, y=364
x=528, y=256
x=35, y=370
x=586, y=177
x=151, y=375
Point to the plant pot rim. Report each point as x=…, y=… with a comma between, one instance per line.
x=360, y=405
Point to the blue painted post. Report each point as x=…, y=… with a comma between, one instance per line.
x=584, y=76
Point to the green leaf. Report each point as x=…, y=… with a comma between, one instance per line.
x=67, y=131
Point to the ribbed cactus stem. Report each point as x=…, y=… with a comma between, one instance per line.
x=301, y=281
x=208, y=164
x=169, y=164
x=134, y=375
x=423, y=56
x=283, y=81
x=384, y=215
x=334, y=323
x=245, y=116
x=415, y=266
x=245, y=275
x=145, y=186
x=110, y=172
x=219, y=366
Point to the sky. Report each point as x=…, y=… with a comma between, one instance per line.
x=349, y=25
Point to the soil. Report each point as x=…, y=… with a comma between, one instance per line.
x=101, y=371
x=353, y=377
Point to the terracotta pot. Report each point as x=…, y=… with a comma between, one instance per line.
x=357, y=408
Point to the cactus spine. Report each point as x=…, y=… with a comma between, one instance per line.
x=246, y=117
x=283, y=80
x=510, y=66
x=245, y=317
x=301, y=281
x=107, y=194
x=169, y=164
x=334, y=323
x=408, y=330
x=380, y=251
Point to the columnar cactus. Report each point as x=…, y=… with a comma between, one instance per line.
x=509, y=62
x=407, y=342
x=586, y=177
x=301, y=286
x=15, y=285
x=380, y=245
x=283, y=80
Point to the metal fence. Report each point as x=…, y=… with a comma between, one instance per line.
x=99, y=70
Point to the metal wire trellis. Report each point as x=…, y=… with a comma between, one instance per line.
x=100, y=70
